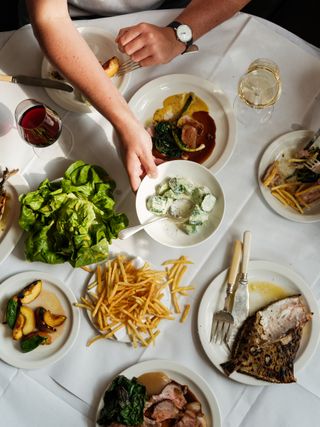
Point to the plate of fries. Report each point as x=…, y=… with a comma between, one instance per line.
x=286, y=184
x=127, y=299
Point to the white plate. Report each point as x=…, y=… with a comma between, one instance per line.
x=12, y=232
x=122, y=335
x=151, y=96
x=167, y=232
x=182, y=375
x=258, y=271
x=47, y=354
x=283, y=147
x=104, y=47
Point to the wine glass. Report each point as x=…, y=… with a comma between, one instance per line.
x=40, y=126
x=258, y=90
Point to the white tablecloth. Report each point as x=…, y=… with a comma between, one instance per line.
x=67, y=393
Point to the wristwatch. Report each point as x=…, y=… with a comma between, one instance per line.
x=184, y=35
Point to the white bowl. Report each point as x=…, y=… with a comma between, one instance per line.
x=167, y=232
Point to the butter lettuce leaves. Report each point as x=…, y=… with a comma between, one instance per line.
x=73, y=219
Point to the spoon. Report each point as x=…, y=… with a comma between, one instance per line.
x=179, y=211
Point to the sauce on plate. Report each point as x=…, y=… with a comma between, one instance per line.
x=263, y=293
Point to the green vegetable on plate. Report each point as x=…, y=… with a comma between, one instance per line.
x=124, y=402
x=12, y=311
x=73, y=219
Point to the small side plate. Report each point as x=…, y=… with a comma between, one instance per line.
x=43, y=355
x=12, y=232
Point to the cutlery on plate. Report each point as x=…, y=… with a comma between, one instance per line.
x=223, y=319
x=179, y=212
x=36, y=81
x=312, y=140
x=240, y=308
x=127, y=67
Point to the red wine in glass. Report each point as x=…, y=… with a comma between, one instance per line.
x=37, y=124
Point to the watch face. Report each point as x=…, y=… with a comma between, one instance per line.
x=184, y=33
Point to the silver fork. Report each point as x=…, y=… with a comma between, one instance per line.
x=313, y=165
x=223, y=319
x=127, y=67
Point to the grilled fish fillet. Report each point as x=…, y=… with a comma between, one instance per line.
x=268, y=341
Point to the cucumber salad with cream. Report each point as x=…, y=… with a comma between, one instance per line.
x=199, y=202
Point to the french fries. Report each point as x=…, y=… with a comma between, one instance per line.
x=123, y=297
x=289, y=192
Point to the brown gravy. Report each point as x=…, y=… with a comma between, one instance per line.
x=208, y=138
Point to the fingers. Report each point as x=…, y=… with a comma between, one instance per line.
x=149, y=167
x=138, y=167
x=127, y=35
x=134, y=170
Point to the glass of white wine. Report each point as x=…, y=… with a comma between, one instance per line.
x=258, y=90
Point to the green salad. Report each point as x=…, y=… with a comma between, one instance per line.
x=72, y=219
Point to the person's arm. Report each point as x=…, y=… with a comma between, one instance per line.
x=70, y=54
x=151, y=45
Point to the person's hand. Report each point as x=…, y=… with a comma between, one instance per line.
x=148, y=44
x=138, y=158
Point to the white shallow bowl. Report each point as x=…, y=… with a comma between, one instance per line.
x=150, y=97
x=167, y=232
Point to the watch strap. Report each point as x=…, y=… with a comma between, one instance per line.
x=175, y=25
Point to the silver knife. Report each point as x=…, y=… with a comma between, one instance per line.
x=36, y=81
x=240, y=308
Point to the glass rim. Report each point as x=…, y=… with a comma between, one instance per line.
x=30, y=103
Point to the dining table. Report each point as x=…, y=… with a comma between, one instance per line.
x=67, y=392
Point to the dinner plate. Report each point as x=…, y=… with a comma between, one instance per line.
x=12, y=232
x=104, y=47
x=54, y=294
x=281, y=149
x=268, y=281
x=167, y=232
x=121, y=335
x=151, y=96
x=182, y=375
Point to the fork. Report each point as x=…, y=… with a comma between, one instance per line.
x=127, y=67
x=313, y=165
x=223, y=319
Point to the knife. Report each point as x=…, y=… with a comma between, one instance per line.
x=233, y=271
x=240, y=308
x=36, y=81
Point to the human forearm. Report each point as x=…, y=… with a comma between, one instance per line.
x=70, y=54
x=203, y=15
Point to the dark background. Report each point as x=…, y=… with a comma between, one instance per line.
x=301, y=18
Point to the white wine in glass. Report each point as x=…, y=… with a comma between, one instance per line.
x=258, y=90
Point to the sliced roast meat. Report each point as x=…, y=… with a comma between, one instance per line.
x=164, y=410
x=187, y=120
x=173, y=392
x=189, y=136
x=148, y=422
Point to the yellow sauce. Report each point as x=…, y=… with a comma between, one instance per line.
x=264, y=293
x=154, y=382
x=173, y=105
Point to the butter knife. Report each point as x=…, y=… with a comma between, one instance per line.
x=36, y=81
x=240, y=308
